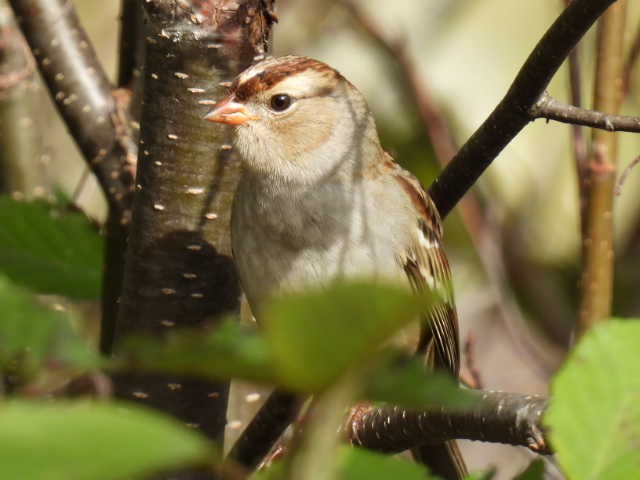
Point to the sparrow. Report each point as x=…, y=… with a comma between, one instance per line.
x=319, y=199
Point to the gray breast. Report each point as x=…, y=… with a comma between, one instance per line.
x=292, y=241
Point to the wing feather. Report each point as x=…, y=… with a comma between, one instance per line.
x=426, y=266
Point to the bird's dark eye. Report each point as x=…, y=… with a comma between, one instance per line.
x=280, y=102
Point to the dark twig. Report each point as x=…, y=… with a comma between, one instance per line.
x=511, y=114
x=98, y=120
x=551, y=109
x=82, y=93
x=481, y=232
x=131, y=42
x=495, y=417
x=578, y=139
x=267, y=426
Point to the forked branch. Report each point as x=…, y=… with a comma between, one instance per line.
x=512, y=113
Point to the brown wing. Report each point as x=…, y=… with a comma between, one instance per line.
x=426, y=266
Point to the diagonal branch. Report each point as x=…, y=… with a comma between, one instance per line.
x=552, y=109
x=82, y=94
x=511, y=114
x=473, y=215
x=265, y=429
x=495, y=417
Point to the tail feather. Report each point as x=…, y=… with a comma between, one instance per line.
x=443, y=460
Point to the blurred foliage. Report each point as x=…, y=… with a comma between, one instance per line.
x=408, y=385
x=32, y=334
x=358, y=464
x=50, y=250
x=535, y=471
x=91, y=441
x=309, y=341
x=316, y=335
x=594, y=414
x=231, y=350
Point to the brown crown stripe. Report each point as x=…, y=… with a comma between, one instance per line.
x=273, y=75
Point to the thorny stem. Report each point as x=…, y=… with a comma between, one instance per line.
x=495, y=417
x=596, y=285
x=511, y=114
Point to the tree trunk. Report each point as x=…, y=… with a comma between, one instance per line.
x=179, y=270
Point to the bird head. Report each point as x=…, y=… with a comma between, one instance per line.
x=294, y=118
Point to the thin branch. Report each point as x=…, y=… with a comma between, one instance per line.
x=551, y=109
x=625, y=173
x=578, y=139
x=495, y=417
x=80, y=184
x=511, y=114
x=265, y=429
x=131, y=43
x=477, y=223
x=82, y=93
x=596, y=285
x=431, y=117
x=632, y=60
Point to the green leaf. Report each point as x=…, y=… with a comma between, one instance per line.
x=315, y=336
x=488, y=475
x=594, y=415
x=96, y=441
x=276, y=471
x=228, y=351
x=535, y=471
x=32, y=333
x=49, y=251
x=359, y=464
x=410, y=386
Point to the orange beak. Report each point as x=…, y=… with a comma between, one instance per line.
x=229, y=112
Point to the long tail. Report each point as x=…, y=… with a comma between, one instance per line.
x=443, y=460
